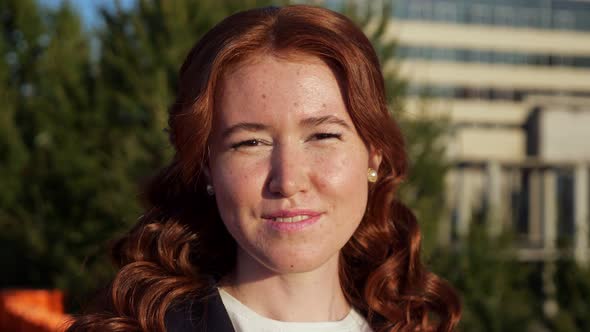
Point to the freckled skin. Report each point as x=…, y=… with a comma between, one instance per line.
x=290, y=166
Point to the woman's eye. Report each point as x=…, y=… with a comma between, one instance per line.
x=246, y=143
x=323, y=136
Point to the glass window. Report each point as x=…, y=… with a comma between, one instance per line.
x=480, y=14
x=446, y=11
x=489, y=56
x=547, y=14
x=545, y=18
x=399, y=9
x=582, y=19
x=528, y=17
x=504, y=15
x=521, y=59
x=565, y=203
x=420, y=10
x=564, y=19
x=462, y=55
x=401, y=52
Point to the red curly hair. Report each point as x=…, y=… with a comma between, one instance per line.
x=180, y=244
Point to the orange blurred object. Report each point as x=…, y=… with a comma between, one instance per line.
x=32, y=310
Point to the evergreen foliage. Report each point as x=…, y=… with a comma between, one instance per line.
x=82, y=122
x=573, y=294
x=495, y=287
x=56, y=203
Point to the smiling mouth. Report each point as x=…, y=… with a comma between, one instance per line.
x=291, y=219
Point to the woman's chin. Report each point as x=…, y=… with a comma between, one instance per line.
x=297, y=262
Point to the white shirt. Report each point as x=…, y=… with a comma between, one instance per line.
x=245, y=319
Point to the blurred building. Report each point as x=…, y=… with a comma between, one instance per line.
x=513, y=78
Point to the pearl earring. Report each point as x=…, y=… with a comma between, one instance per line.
x=210, y=190
x=372, y=175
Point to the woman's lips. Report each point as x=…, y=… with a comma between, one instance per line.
x=290, y=221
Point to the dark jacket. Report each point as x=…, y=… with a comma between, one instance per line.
x=203, y=315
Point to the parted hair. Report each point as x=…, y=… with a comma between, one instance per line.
x=179, y=245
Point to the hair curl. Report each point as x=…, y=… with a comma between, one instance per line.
x=180, y=243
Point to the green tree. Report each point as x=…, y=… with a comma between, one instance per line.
x=495, y=288
x=48, y=209
x=573, y=291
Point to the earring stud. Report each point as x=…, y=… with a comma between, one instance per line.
x=372, y=175
x=210, y=190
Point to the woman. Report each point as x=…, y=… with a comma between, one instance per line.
x=278, y=211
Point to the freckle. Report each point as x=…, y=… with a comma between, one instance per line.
x=263, y=96
x=291, y=265
x=324, y=106
x=295, y=104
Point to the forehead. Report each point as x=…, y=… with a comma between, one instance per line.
x=267, y=83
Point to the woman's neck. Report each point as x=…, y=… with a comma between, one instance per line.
x=313, y=296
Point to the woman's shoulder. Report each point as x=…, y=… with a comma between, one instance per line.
x=205, y=314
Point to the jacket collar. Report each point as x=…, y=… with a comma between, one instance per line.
x=207, y=314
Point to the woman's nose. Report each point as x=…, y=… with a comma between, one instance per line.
x=288, y=175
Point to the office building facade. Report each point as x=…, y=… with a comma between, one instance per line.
x=513, y=79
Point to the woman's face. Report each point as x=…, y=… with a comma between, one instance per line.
x=288, y=168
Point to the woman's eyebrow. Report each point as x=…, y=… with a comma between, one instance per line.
x=307, y=122
x=318, y=120
x=248, y=126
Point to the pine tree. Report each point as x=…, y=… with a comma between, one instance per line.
x=49, y=170
x=497, y=290
x=573, y=292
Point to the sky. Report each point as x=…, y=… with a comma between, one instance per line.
x=89, y=9
x=90, y=14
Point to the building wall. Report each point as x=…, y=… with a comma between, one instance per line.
x=564, y=133
x=513, y=80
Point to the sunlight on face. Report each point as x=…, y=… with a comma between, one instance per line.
x=288, y=167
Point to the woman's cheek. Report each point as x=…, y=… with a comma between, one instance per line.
x=337, y=170
x=241, y=179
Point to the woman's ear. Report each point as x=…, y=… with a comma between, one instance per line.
x=207, y=166
x=375, y=157
x=207, y=173
x=209, y=186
